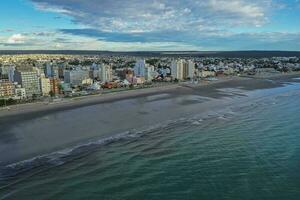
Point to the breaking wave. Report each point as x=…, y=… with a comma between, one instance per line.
x=46, y=161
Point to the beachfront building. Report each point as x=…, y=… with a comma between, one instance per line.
x=205, y=73
x=129, y=76
x=229, y=71
x=182, y=69
x=7, y=88
x=20, y=93
x=75, y=77
x=139, y=68
x=94, y=72
x=105, y=73
x=185, y=74
x=28, y=79
x=54, y=86
x=191, y=69
x=150, y=73
x=177, y=69
x=45, y=85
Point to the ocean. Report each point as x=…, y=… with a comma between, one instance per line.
x=248, y=150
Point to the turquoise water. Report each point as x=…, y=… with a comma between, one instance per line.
x=250, y=153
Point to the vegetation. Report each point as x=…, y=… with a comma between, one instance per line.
x=7, y=102
x=152, y=61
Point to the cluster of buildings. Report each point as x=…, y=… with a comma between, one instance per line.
x=26, y=82
x=39, y=76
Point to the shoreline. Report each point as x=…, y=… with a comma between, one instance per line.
x=106, y=116
x=90, y=100
x=78, y=102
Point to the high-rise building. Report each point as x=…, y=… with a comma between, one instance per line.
x=185, y=72
x=75, y=77
x=51, y=70
x=105, y=73
x=182, y=69
x=7, y=88
x=191, y=69
x=149, y=73
x=54, y=86
x=28, y=79
x=177, y=69
x=11, y=73
x=4, y=70
x=45, y=85
x=139, y=68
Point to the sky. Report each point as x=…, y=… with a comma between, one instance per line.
x=150, y=25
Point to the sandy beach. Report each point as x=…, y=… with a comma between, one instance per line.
x=32, y=130
x=205, y=87
x=103, y=98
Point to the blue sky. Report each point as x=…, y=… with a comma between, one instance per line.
x=133, y=25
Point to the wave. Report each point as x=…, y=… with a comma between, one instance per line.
x=46, y=161
x=60, y=157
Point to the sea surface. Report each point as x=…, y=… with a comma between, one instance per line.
x=250, y=150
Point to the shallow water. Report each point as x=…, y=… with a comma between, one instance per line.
x=247, y=151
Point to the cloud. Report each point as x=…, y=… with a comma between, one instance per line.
x=209, y=41
x=8, y=30
x=25, y=39
x=160, y=15
x=162, y=36
x=44, y=34
x=16, y=39
x=160, y=25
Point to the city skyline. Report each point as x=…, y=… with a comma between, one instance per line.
x=150, y=25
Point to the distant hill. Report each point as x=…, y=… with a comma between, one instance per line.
x=226, y=54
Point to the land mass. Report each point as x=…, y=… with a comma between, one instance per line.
x=225, y=54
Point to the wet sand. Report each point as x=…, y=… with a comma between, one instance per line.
x=35, y=130
x=205, y=88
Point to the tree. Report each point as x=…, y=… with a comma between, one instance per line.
x=34, y=96
x=51, y=93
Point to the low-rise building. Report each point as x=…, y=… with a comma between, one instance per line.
x=7, y=88
x=20, y=93
x=205, y=73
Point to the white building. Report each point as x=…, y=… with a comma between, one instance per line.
x=150, y=73
x=182, y=69
x=75, y=77
x=28, y=79
x=191, y=69
x=177, y=69
x=11, y=73
x=139, y=68
x=4, y=71
x=105, y=73
x=20, y=92
x=45, y=85
x=205, y=73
